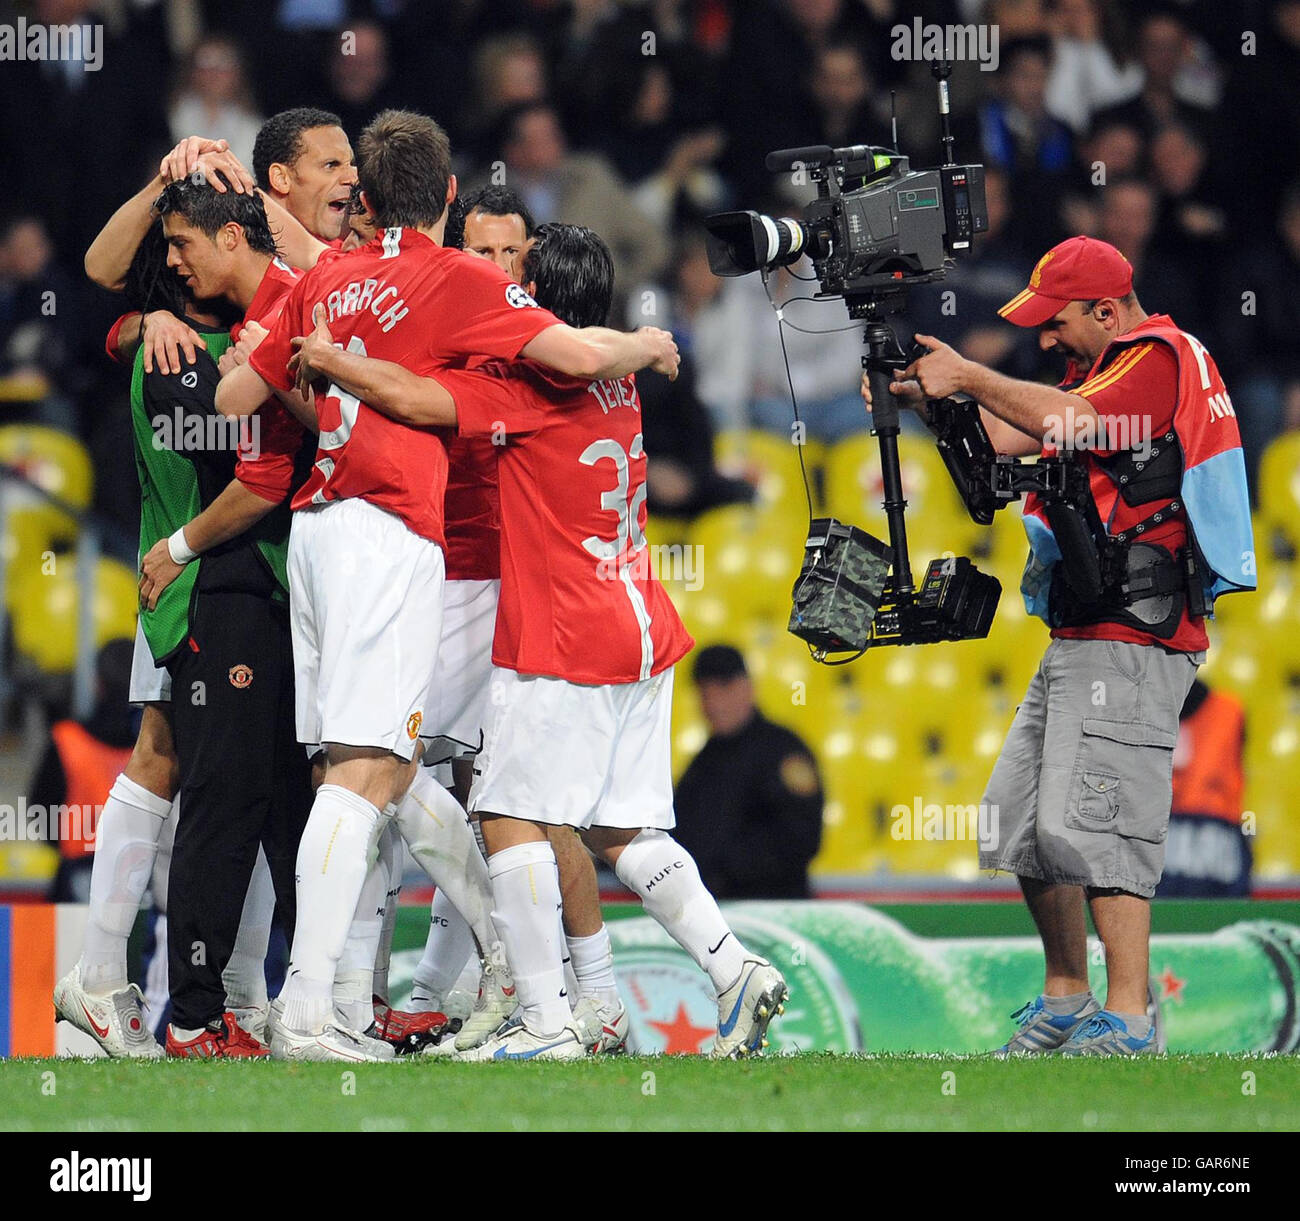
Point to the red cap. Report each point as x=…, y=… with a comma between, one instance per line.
x=1079, y=269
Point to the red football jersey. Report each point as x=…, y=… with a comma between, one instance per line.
x=578, y=599
x=472, y=510
x=267, y=468
x=404, y=299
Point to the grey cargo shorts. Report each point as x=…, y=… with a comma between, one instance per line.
x=1083, y=785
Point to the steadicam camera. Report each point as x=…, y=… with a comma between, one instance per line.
x=876, y=228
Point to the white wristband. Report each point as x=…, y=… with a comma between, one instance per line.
x=179, y=549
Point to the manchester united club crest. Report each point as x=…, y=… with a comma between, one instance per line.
x=413, y=723
x=241, y=676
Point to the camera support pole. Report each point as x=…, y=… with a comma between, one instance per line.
x=882, y=361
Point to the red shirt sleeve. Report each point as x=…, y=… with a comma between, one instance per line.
x=489, y=403
x=115, y=333
x=267, y=468
x=270, y=359
x=494, y=317
x=1135, y=396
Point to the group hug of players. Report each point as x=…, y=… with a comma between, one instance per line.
x=393, y=503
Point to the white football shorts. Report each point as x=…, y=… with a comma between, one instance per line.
x=365, y=611
x=150, y=684
x=574, y=755
x=457, y=699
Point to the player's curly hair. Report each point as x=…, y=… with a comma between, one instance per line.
x=279, y=139
x=572, y=272
x=208, y=209
x=404, y=166
x=491, y=200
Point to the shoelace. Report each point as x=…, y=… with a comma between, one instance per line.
x=1101, y=1024
x=1027, y=1012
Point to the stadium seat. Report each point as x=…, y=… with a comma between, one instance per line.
x=34, y=532
x=1279, y=488
x=771, y=462
x=46, y=609
x=55, y=461
x=749, y=560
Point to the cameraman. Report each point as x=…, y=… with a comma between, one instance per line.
x=1083, y=784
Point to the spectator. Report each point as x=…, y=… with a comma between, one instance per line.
x=824, y=348
x=81, y=762
x=1129, y=210
x=578, y=188
x=1207, y=855
x=509, y=72
x=669, y=171
x=1019, y=136
x=749, y=805
x=1091, y=64
x=711, y=319
x=842, y=91
x=1257, y=333
x=1193, y=223
x=360, y=80
x=42, y=325
x=681, y=479
x=1165, y=52
x=214, y=98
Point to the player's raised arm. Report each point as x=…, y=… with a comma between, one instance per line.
x=598, y=352
x=383, y=385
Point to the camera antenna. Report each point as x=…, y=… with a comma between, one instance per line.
x=941, y=70
x=893, y=118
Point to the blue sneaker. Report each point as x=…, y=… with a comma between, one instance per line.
x=1042, y=1032
x=1105, y=1034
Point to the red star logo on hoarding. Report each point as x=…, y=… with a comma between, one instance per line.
x=684, y=1039
x=1172, y=985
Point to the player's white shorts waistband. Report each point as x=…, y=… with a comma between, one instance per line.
x=573, y=755
x=150, y=684
x=365, y=610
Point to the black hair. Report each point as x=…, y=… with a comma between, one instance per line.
x=279, y=139
x=208, y=209
x=491, y=200
x=150, y=284
x=404, y=167
x=573, y=273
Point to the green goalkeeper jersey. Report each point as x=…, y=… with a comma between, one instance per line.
x=185, y=453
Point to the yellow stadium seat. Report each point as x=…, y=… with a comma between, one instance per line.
x=55, y=461
x=748, y=560
x=771, y=463
x=34, y=534
x=46, y=609
x=1279, y=488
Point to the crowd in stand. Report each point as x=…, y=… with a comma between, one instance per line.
x=1168, y=129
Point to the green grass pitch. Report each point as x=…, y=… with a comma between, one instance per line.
x=818, y=1092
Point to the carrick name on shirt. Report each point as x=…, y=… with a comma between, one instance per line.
x=372, y=295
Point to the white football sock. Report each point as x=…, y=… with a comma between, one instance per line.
x=526, y=891
x=126, y=842
x=447, y=949
x=438, y=833
x=666, y=878
x=333, y=860
x=395, y=854
x=593, y=966
x=354, y=978
x=245, y=974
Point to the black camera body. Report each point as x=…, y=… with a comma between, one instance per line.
x=876, y=226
